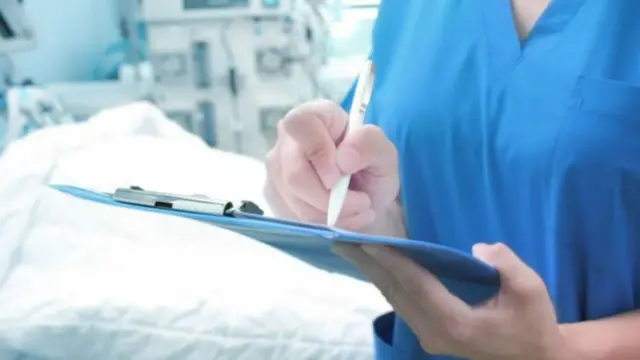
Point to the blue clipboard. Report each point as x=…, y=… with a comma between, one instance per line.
x=466, y=277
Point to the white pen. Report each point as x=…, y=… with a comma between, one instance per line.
x=359, y=104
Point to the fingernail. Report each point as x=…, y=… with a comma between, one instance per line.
x=478, y=246
x=479, y=249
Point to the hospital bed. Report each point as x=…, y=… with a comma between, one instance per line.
x=83, y=281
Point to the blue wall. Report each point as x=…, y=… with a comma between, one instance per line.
x=72, y=34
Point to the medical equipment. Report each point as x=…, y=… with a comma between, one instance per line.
x=83, y=99
x=228, y=70
x=129, y=30
x=30, y=108
x=34, y=107
x=16, y=34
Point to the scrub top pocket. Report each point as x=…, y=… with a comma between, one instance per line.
x=604, y=130
x=607, y=97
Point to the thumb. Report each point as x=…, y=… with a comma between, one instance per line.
x=368, y=148
x=368, y=151
x=315, y=127
x=517, y=278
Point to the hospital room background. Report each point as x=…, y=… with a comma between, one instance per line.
x=178, y=96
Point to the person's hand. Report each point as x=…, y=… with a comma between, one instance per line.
x=312, y=153
x=518, y=324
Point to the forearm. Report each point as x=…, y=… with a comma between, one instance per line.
x=389, y=222
x=614, y=338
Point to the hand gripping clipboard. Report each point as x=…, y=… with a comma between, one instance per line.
x=470, y=279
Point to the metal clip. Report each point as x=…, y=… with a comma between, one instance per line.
x=195, y=204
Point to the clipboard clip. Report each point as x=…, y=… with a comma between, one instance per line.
x=195, y=204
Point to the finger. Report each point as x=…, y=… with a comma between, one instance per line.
x=286, y=204
x=302, y=211
x=367, y=148
x=419, y=282
x=357, y=221
x=393, y=292
x=303, y=181
x=296, y=209
x=515, y=275
x=378, y=275
x=367, y=266
x=355, y=202
x=305, y=121
x=316, y=127
x=277, y=204
x=301, y=178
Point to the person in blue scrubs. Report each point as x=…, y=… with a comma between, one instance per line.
x=509, y=129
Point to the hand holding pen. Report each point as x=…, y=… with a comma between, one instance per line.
x=316, y=147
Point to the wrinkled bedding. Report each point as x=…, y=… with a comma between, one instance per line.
x=84, y=281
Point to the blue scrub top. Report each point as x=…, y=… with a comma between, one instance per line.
x=536, y=144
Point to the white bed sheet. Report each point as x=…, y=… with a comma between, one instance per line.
x=84, y=281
